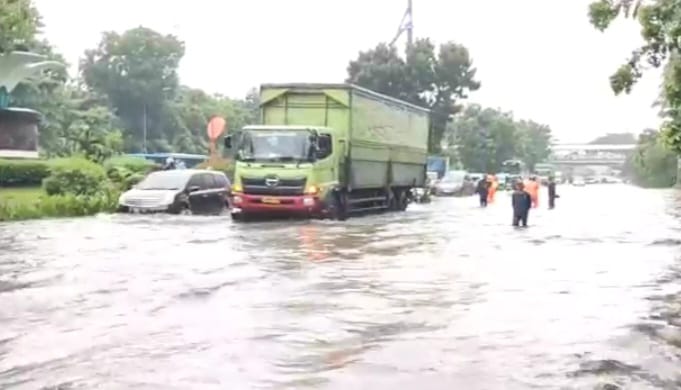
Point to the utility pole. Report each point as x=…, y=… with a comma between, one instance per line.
x=410, y=24
x=406, y=24
x=144, y=129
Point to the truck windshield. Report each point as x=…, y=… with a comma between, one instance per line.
x=275, y=146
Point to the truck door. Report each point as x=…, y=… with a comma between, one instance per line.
x=326, y=166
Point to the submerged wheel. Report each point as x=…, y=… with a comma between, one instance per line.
x=402, y=200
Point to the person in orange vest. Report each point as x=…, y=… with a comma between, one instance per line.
x=532, y=188
x=493, y=184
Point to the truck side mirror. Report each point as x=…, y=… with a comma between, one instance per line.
x=228, y=142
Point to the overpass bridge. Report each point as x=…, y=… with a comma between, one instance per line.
x=589, y=154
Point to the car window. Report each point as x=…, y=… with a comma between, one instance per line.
x=195, y=181
x=208, y=180
x=221, y=181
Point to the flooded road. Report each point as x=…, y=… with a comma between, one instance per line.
x=443, y=296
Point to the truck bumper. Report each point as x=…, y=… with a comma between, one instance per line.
x=263, y=204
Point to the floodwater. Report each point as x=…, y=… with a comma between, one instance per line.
x=443, y=296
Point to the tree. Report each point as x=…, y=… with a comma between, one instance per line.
x=653, y=164
x=534, y=141
x=425, y=78
x=137, y=71
x=484, y=138
x=19, y=25
x=661, y=31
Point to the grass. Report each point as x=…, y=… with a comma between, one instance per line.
x=20, y=196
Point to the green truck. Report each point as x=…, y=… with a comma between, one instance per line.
x=328, y=150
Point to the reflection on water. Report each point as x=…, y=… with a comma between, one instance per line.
x=443, y=296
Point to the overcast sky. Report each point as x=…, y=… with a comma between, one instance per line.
x=538, y=58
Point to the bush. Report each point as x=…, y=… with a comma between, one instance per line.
x=132, y=164
x=76, y=176
x=222, y=165
x=60, y=206
x=16, y=173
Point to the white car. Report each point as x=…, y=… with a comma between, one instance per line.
x=578, y=181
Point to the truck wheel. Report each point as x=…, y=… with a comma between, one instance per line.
x=401, y=200
x=238, y=217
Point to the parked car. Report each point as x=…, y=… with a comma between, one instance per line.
x=185, y=191
x=578, y=181
x=455, y=183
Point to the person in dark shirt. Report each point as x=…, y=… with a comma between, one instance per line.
x=483, y=190
x=552, y=192
x=522, y=202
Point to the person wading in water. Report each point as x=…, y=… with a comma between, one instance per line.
x=483, y=191
x=522, y=203
x=552, y=193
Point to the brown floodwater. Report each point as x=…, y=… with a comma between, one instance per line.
x=443, y=296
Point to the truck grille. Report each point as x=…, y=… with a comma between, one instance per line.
x=285, y=187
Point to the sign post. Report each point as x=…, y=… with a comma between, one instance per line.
x=217, y=125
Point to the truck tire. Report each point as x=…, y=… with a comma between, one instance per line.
x=239, y=217
x=401, y=200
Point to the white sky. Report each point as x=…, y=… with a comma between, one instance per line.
x=539, y=58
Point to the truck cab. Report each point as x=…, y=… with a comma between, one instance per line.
x=283, y=168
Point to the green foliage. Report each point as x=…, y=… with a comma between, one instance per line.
x=661, y=31
x=484, y=138
x=223, y=165
x=22, y=172
x=76, y=176
x=427, y=78
x=125, y=171
x=68, y=205
x=128, y=78
x=133, y=164
x=19, y=23
x=653, y=164
x=137, y=71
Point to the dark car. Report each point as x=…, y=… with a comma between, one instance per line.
x=179, y=191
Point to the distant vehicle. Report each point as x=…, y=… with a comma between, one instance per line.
x=186, y=191
x=455, y=183
x=476, y=177
x=514, y=168
x=578, y=181
x=591, y=180
x=610, y=180
x=188, y=160
x=437, y=165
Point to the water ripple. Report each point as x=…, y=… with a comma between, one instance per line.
x=443, y=296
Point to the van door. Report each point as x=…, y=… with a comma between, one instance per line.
x=200, y=193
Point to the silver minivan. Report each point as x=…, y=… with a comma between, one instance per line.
x=178, y=191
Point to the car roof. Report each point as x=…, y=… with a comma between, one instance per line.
x=191, y=171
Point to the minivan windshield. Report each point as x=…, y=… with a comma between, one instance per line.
x=164, y=180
